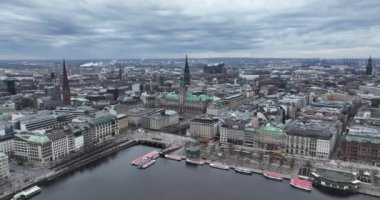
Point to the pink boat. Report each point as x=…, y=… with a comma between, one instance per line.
x=148, y=164
x=301, y=184
x=138, y=160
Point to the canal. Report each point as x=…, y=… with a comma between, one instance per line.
x=114, y=178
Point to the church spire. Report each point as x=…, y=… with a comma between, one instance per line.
x=65, y=86
x=369, y=67
x=186, y=76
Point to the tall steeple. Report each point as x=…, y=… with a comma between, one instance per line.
x=369, y=67
x=66, y=94
x=186, y=76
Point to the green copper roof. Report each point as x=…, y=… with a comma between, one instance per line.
x=272, y=129
x=362, y=139
x=34, y=138
x=197, y=97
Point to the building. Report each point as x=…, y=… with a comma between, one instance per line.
x=311, y=138
x=135, y=115
x=62, y=143
x=235, y=128
x=83, y=134
x=217, y=108
x=41, y=120
x=205, y=128
x=122, y=123
x=4, y=167
x=232, y=131
x=270, y=137
x=43, y=148
x=233, y=99
x=6, y=144
x=362, y=144
x=160, y=120
x=217, y=68
x=103, y=125
x=194, y=102
x=73, y=112
x=32, y=147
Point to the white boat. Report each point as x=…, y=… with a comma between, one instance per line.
x=26, y=194
x=273, y=175
x=219, y=166
x=173, y=157
x=243, y=170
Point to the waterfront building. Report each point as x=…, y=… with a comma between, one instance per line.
x=62, y=143
x=205, y=128
x=335, y=180
x=233, y=128
x=103, y=126
x=32, y=147
x=4, y=167
x=270, y=137
x=122, y=123
x=160, y=119
x=311, y=138
x=362, y=144
x=83, y=134
x=232, y=131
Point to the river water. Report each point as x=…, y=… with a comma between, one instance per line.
x=114, y=178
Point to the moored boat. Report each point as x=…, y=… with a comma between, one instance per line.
x=138, y=160
x=301, y=184
x=219, y=165
x=195, y=161
x=273, y=175
x=243, y=170
x=148, y=164
x=173, y=157
x=26, y=194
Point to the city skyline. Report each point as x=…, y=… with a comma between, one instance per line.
x=134, y=29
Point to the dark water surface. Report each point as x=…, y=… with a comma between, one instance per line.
x=114, y=178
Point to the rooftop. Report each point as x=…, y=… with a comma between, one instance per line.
x=336, y=176
x=272, y=129
x=34, y=138
x=191, y=96
x=363, y=134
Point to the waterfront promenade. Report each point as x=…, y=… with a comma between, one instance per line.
x=233, y=157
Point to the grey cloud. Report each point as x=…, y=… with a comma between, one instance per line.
x=122, y=29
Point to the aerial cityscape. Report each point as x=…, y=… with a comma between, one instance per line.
x=189, y=99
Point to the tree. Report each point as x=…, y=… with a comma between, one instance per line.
x=292, y=162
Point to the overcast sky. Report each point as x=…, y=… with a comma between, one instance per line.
x=202, y=28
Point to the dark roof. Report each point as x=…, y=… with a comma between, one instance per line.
x=56, y=134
